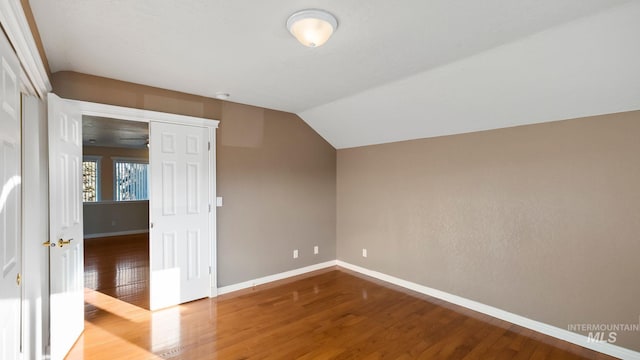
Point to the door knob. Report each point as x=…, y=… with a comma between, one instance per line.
x=61, y=242
x=48, y=244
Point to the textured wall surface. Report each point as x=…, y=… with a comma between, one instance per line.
x=277, y=176
x=103, y=218
x=278, y=181
x=541, y=220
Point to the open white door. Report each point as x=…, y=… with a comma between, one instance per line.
x=10, y=202
x=179, y=211
x=65, y=218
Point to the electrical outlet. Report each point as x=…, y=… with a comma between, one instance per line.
x=364, y=252
x=315, y=250
x=295, y=253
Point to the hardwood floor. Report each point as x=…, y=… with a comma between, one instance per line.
x=118, y=266
x=330, y=314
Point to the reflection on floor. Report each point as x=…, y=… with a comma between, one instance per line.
x=118, y=266
x=330, y=314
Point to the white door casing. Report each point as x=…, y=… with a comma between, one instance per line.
x=201, y=282
x=180, y=208
x=66, y=254
x=10, y=203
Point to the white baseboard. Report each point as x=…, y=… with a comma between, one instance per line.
x=267, y=279
x=116, y=233
x=562, y=334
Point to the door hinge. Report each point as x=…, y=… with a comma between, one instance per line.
x=209, y=269
x=209, y=146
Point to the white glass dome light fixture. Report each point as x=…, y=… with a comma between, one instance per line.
x=312, y=27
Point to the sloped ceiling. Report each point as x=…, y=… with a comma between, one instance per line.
x=394, y=70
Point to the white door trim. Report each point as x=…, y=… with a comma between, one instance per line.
x=15, y=24
x=124, y=113
x=131, y=114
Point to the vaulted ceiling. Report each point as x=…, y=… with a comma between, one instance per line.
x=394, y=70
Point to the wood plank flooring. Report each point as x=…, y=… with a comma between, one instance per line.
x=330, y=314
x=118, y=266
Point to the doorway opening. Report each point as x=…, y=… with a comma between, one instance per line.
x=182, y=227
x=116, y=210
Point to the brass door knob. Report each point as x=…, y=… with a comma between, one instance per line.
x=61, y=242
x=48, y=244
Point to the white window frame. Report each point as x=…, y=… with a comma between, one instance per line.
x=114, y=161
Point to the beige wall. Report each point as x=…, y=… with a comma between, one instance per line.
x=542, y=221
x=106, y=171
x=115, y=218
x=77, y=86
x=276, y=175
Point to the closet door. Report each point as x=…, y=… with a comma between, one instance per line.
x=10, y=203
x=179, y=213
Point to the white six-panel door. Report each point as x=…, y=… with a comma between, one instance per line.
x=66, y=254
x=10, y=203
x=179, y=211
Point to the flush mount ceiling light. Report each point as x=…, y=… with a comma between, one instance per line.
x=222, y=95
x=312, y=27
